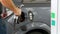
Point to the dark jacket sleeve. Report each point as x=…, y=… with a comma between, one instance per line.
x=0, y=8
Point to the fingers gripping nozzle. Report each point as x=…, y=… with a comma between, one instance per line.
x=19, y=19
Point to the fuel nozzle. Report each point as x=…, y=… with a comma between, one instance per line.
x=19, y=19
x=15, y=19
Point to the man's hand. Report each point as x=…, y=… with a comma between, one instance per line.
x=9, y=4
x=17, y=12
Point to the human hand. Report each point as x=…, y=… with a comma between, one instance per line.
x=9, y=4
x=17, y=12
